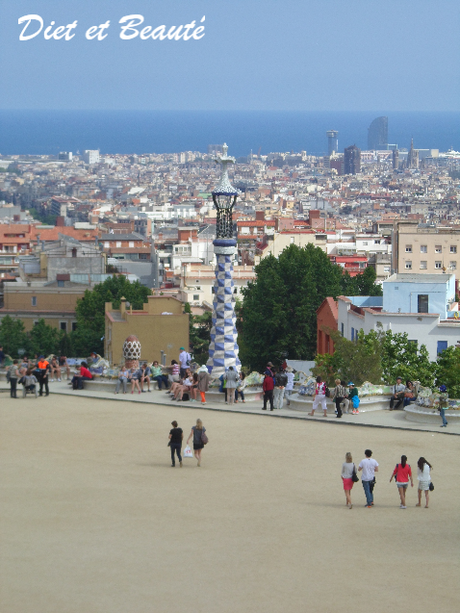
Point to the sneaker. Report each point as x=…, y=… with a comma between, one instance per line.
x=58, y=379
x=368, y=506
x=402, y=507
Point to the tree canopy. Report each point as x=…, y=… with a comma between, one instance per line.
x=279, y=307
x=89, y=335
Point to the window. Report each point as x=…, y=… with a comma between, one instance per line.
x=408, y=265
x=423, y=249
x=74, y=253
x=423, y=265
x=386, y=269
x=453, y=249
x=365, y=243
x=352, y=334
x=36, y=322
x=452, y=265
x=438, y=248
x=413, y=342
x=60, y=283
x=197, y=280
x=438, y=265
x=342, y=329
x=377, y=242
x=196, y=296
x=118, y=244
x=408, y=248
x=198, y=289
x=422, y=300
x=106, y=244
x=131, y=244
x=235, y=291
x=441, y=346
x=34, y=300
x=63, y=326
x=74, y=326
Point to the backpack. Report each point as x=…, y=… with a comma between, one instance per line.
x=328, y=392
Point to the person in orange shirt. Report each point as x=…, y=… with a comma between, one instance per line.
x=42, y=370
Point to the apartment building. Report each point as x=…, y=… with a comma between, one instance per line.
x=426, y=249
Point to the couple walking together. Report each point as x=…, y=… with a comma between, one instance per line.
x=176, y=436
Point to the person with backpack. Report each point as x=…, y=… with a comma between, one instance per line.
x=402, y=473
x=320, y=397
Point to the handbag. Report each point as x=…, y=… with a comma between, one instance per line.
x=354, y=476
x=431, y=486
x=204, y=438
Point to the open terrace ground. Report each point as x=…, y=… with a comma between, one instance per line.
x=94, y=519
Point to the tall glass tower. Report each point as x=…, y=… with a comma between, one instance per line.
x=332, y=141
x=377, y=134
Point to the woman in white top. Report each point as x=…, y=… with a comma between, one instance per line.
x=289, y=389
x=424, y=480
x=320, y=397
x=347, y=473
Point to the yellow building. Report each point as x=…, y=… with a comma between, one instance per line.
x=161, y=326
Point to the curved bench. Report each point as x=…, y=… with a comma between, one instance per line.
x=429, y=415
x=368, y=403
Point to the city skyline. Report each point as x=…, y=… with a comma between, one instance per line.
x=236, y=65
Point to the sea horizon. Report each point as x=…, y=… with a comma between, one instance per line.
x=47, y=132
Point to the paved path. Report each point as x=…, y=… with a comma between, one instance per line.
x=94, y=519
x=377, y=419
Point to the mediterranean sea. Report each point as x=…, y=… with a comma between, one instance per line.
x=140, y=132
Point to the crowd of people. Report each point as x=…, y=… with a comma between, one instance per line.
x=35, y=374
x=402, y=474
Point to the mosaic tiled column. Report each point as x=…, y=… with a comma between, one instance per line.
x=223, y=348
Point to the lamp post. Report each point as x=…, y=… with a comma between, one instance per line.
x=223, y=348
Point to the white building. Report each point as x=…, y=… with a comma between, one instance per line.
x=91, y=156
x=421, y=305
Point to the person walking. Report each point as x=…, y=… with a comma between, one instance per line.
x=176, y=437
x=369, y=466
x=280, y=385
x=289, y=389
x=232, y=379
x=348, y=468
x=197, y=433
x=424, y=469
x=338, y=397
x=203, y=382
x=443, y=404
x=402, y=473
x=320, y=397
x=267, y=387
x=13, y=376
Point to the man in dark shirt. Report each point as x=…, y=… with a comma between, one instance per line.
x=175, y=442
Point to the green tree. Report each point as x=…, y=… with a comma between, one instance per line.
x=403, y=358
x=279, y=308
x=13, y=336
x=199, y=334
x=44, y=339
x=89, y=335
x=356, y=361
x=448, y=371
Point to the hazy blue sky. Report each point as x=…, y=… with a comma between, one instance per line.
x=258, y=55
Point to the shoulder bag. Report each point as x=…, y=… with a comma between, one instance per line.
x=354, y=476
x=204, y=438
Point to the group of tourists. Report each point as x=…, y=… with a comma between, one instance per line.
x=190, y=384
x=277, y=384
x=36, y=373
x=141, y=377
x=341, y=395
x=402, y=474
x=176, y=437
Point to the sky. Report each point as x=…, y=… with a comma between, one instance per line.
x=302, y=55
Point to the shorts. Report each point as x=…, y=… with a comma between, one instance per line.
x=403, y=485
x=348, y=484
x=198, y=446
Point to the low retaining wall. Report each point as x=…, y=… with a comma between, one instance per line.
x=250, y=395
x=368, y=403
x=429, y=415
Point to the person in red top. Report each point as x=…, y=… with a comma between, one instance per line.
x=268, y=386
x=402, y=473
x=77, y=381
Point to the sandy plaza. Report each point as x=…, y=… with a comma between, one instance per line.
x=95, y=520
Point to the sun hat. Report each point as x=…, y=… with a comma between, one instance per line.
x=351, y=383
x=183, y=348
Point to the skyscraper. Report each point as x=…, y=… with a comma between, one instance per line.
x=351, y=160
x=332, y=141
x=377, y=134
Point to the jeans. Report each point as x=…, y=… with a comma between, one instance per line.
x=123, y=381
x=13, y=383
x=278, y=397
x=239, y=394
x=161, y=379
x=443, y=416
x=368, y=493
x=268, y=395
x=175, y=447
x=287, y=394
x=338, y=405
x=43, y=380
